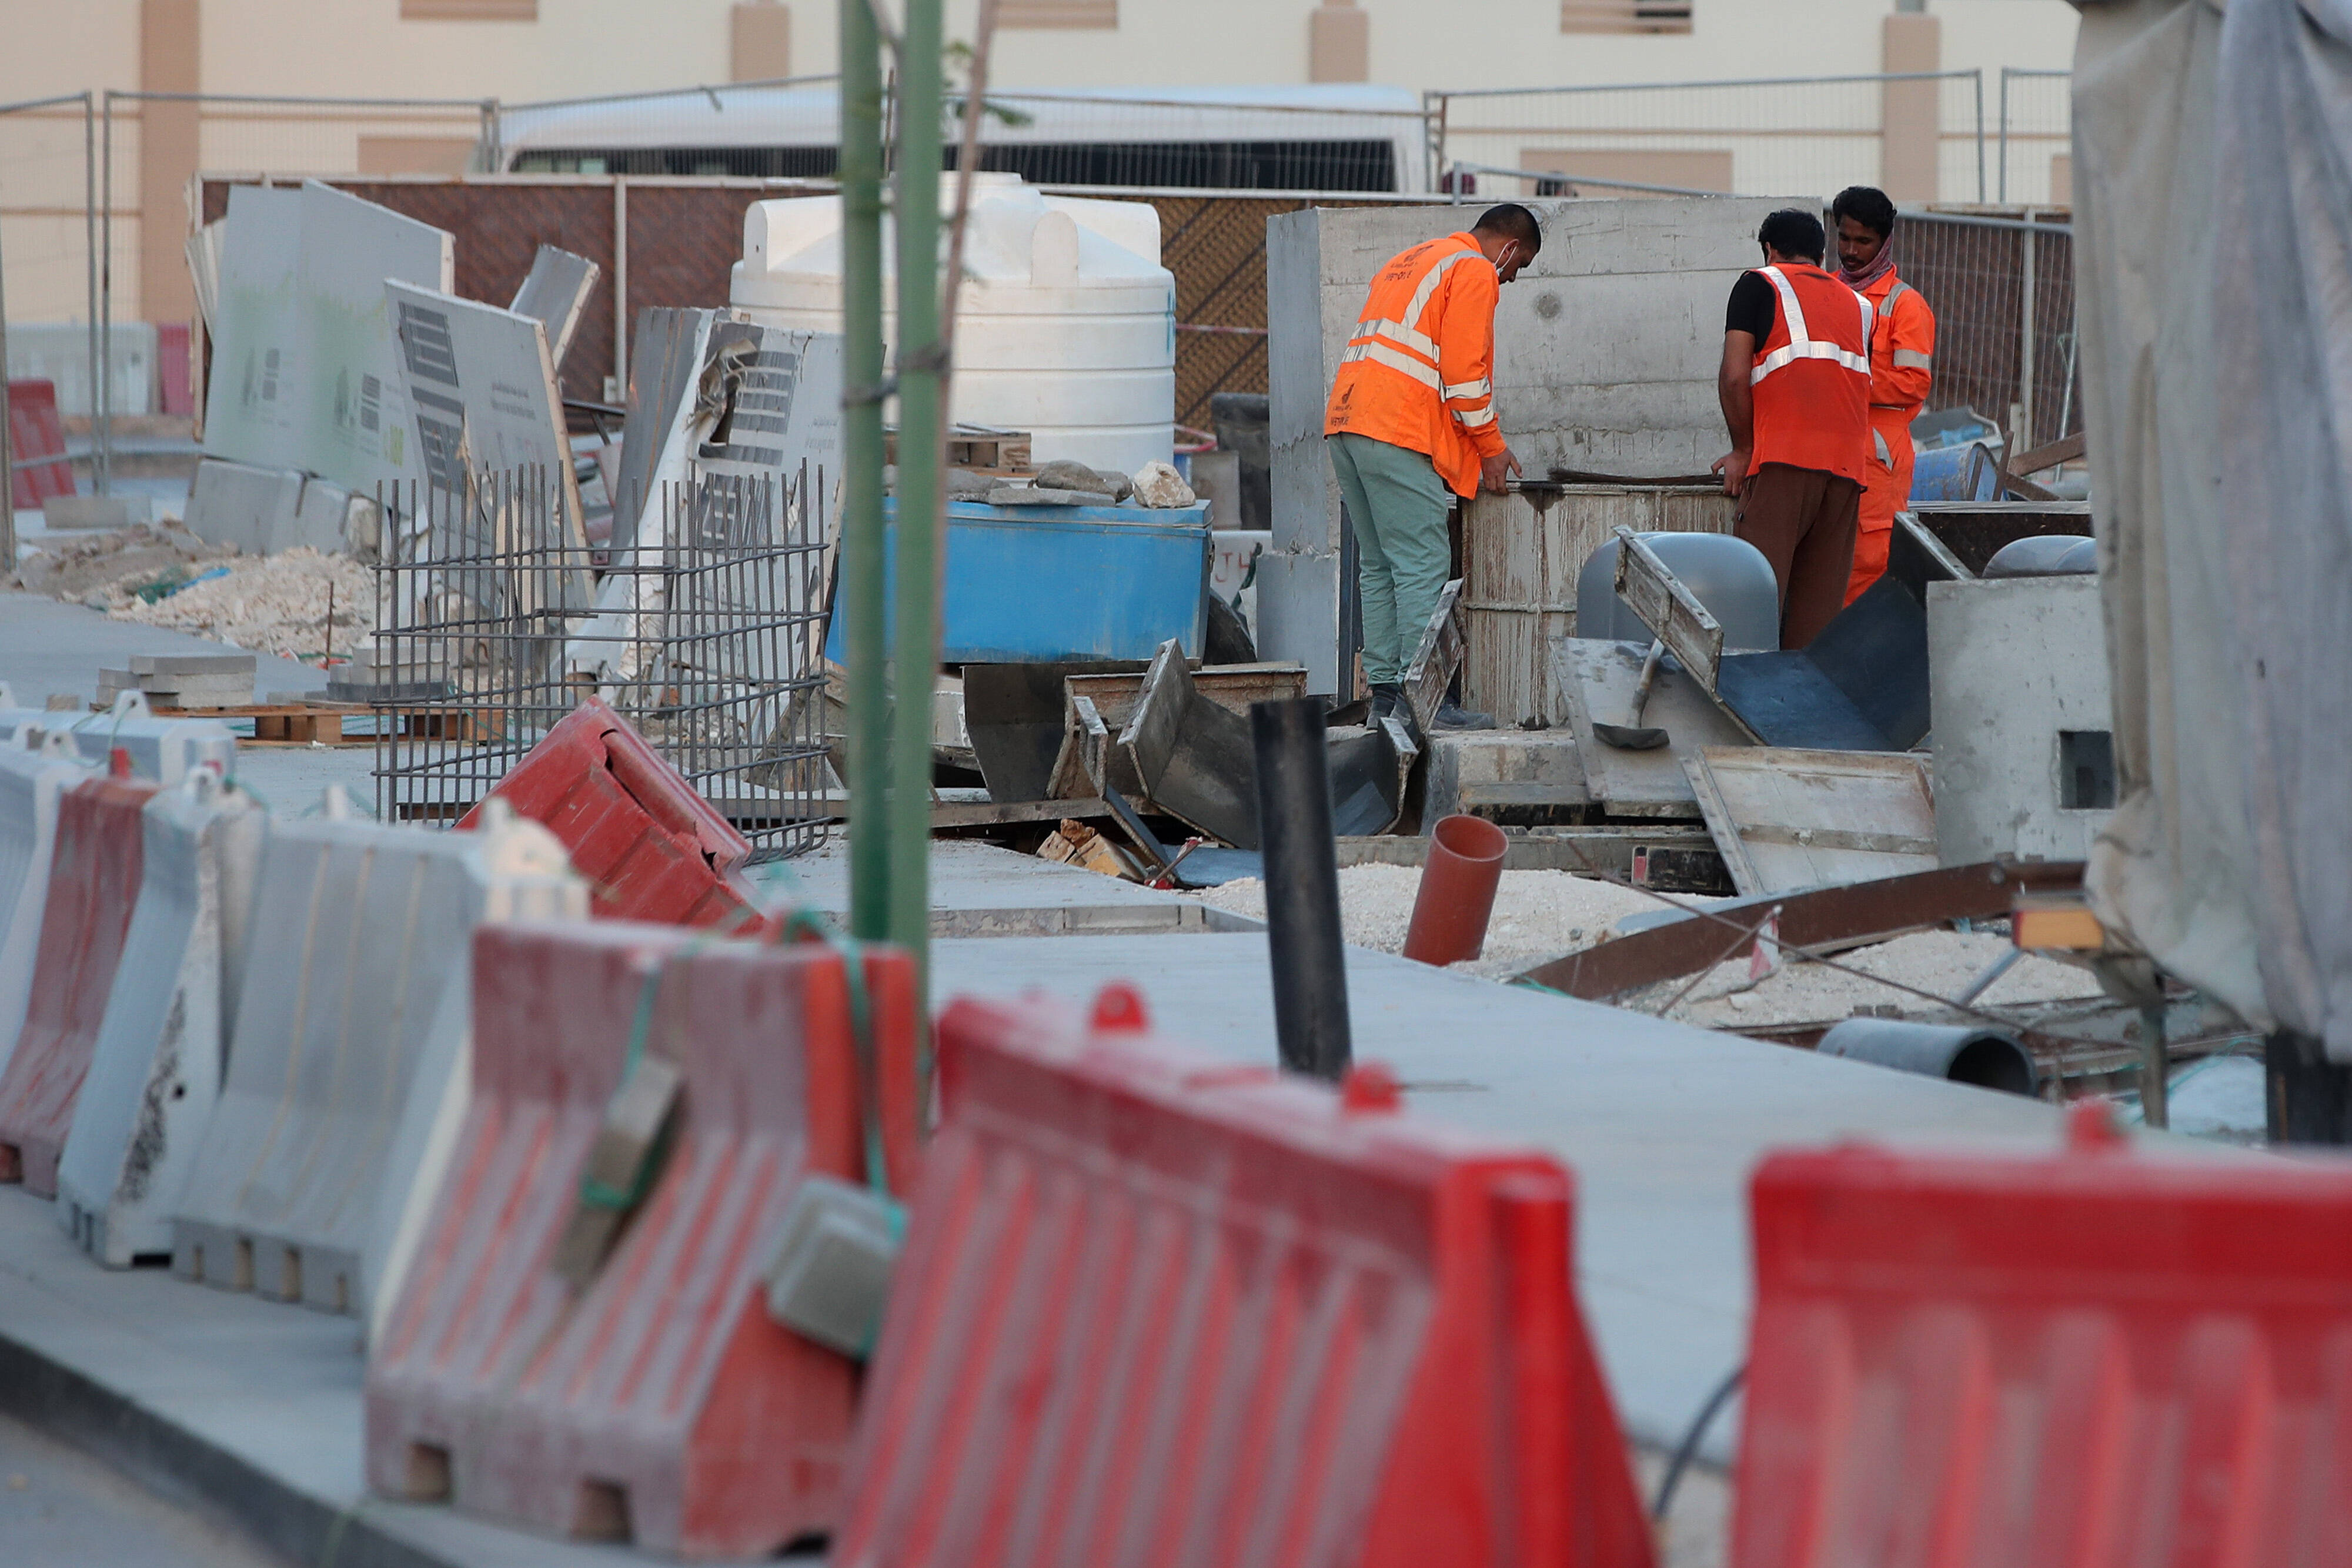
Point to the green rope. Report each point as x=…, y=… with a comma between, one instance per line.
x=603, y=1195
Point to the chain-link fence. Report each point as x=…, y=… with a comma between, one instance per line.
x=2035, y=155
x=2003, y=295
x=1780, y=137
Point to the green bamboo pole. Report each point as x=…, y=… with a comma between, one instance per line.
x=914, y=633
x=862, y=547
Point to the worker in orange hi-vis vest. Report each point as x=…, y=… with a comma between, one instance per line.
x=1795, y=388
x=1902, y=368
x=1410, y=426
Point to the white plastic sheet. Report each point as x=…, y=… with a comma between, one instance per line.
x=2213, y=232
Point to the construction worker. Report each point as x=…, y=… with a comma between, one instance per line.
x=1795, y=388
x=1410, y=426
x=1902, y=368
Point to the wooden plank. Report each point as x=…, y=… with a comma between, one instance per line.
x=1006, y=813
x=1786, y=818
x=2065, y=449
x=1669, y=609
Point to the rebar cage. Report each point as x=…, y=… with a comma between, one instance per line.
x=706, y=631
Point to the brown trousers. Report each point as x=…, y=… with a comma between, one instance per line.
x=1803, y=520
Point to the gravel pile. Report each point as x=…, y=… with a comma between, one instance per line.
x=270, y=604
x=1539, y=914
x=102, y=569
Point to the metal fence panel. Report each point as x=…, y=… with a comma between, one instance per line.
x=1983, y=277
x=716, y=658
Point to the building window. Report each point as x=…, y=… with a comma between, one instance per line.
x=1057, y=13
x=469, y=10
x=1625, y=15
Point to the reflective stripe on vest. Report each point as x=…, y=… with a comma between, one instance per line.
x=1800, y=345
x=1902, y=359
x=1372, y=341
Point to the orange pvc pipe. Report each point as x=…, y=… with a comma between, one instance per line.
x=1457, y=891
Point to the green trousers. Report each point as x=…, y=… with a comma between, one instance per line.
x=1399, y=507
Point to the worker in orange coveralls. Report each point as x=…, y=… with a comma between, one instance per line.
x=1902, y=368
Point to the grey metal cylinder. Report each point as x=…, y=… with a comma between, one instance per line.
x=1960, y=1052
x=2045, y=555
x=1309, y=957
x=1729, y=576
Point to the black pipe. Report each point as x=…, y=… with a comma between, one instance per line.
x=1302, y=887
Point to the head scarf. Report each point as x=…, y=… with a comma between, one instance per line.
x=1879, y=268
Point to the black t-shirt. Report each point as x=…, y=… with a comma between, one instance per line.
x=1755, y=305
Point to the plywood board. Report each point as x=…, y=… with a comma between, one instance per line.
x=304, y=369
x=1598, y=678
x=1786, y=818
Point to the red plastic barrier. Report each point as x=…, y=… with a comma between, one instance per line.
x=661, y=1403
x=173, y=392
x=34, y=432
x=1158, y=1310
x=2089, y=1358
x=94, y=885
x=650, y=847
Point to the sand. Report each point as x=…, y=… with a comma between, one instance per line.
x=1540, y=915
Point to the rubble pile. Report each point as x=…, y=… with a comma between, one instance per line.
x=102, y=569
x=271, y=604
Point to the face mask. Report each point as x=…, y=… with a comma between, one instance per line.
x=1510, y=251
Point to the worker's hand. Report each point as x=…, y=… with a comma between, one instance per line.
x=1493, y=472
x=1733, y=466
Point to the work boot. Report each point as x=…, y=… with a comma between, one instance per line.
x=1386, y=699
x=1451, y=715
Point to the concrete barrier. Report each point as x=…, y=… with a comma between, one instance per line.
x=1155, y=1307
x=348, y=1070
x=161, y=749
x=94, y=876
x=660, y=1403
x=30, y=778
x=156, y=1071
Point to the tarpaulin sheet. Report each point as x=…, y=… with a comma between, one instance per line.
x=2213, y=229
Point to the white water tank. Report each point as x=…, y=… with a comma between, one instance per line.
x=1066, y=327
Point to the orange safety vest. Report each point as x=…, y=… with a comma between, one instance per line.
x=1419, y=371
x=1811, y=376
x=1902, y=370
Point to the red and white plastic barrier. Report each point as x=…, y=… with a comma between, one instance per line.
x=94, y=879
x=348, y=1070
x=156, y=1071
x=2072, y=1360
x=651, y=848
x=660, y=1403
x=1157, y=1308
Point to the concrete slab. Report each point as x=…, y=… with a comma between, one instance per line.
x=252, y=1405
x=2017, y=676
x=1661, y=1122
x=48, y=646
x=980, y=890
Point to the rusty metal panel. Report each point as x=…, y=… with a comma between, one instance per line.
x=1834, y=917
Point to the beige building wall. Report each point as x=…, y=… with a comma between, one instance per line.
x=519, y=50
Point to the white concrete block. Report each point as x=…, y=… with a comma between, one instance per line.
x=255, y=509
x=164, y=749
x=2017, y=674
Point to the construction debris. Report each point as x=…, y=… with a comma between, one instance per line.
x=106, y=570
x=274, y=604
